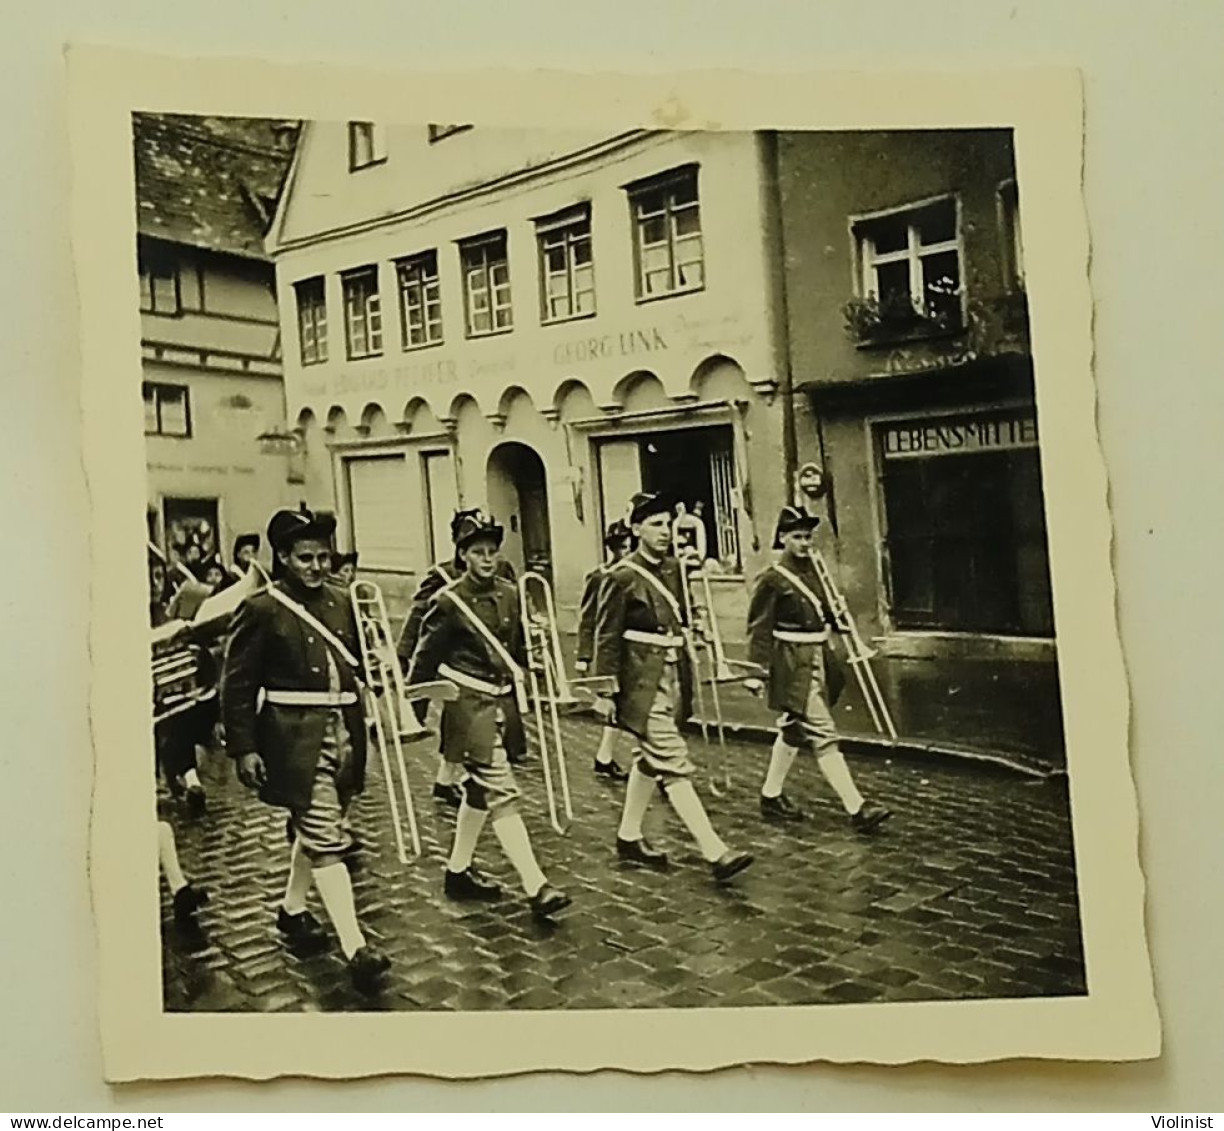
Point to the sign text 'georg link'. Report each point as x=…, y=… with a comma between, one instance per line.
x=960, y=435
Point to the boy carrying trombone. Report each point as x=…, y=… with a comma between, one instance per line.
x=788, y=632
x=473, y=636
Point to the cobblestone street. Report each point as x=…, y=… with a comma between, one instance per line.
x=968, y=892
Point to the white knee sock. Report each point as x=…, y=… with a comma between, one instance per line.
x=781, y=758
x=449, y=773
x=638, y=793
x=833, y=765
x=298, y=886
x=688, y=807
x=167, y=853
x=512, y=835
x=607, y=745
x=336, y=891
x=192, y=777
x=468, y=825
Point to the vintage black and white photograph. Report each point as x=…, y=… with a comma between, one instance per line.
x=596, y=570
x=632, y=582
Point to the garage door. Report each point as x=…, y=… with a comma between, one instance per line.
x=380, y=512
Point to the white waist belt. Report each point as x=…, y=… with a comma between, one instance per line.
x=655, y=639
x=472, y=683
x=310, y=698
x=791, y=636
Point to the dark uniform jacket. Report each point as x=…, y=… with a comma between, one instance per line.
x=469, y=723
x=443, y=573
x=271, y=647
x=777, y=604
x=627, y=601
x=587, y=609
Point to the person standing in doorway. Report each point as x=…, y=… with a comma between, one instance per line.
x=295, y=645
x=788, y=632
x=641, y=642
x=472, y=636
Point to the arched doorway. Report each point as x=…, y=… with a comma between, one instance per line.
x=518, y=499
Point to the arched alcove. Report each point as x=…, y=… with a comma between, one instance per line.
x=572, y=400
x=374, y=421
x=337, y=423
x=418, y=416
x=640, y=391
x=720, y=378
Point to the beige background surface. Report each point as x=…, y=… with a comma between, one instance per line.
x=1151, y=195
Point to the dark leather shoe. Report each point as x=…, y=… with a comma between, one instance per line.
x=451, y=795
x=187, y=901
x=640, y=852
x=367, y=969
x=302, y=931
x=780, y=809
x=611, y=771
x=196, y=800
x=869, y=818
x=470, y=885
x=729, y=864
x=549, y=901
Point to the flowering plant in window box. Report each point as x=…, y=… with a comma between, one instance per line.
x=872, y=320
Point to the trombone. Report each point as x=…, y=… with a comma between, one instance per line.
x=551, y=690
x=383, y=675
x=705, y=637
x=857, y=652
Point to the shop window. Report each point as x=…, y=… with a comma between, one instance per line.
x=312, y=320
x=167, y=410
x=362, y=313
x=668, y=244
x=486, y=285
x=1013, y=249
x=567, y=271
x=420, y=300
x=367, y=145
x=159, y=281
x=911, y=278
x=965, y=537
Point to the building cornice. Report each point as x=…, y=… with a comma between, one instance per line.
x=457, y=196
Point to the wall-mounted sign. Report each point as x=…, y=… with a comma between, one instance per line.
x=626, y=344
x=960, y=434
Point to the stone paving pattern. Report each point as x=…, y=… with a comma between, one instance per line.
x=968, y=892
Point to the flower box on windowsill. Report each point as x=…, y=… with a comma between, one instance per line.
x=870, y=326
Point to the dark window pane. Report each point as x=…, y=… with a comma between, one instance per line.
x=890, y=234
x=941, y=285
x=893, y=288
x=937, y=224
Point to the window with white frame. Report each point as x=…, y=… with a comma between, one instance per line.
x=1013, y=248
x=567, y=271
x=159, y=281
x=167, y=410
x=367, y=144
x=362, y=313
x=312, y=320
x=911, y=265
x=420, y=300
x=668, y=244
x=486, y=285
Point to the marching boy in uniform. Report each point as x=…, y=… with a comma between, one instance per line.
x=472, y=636
x=640, y=641
x=294, y=727
x=788, y=630
x=618, y=541
x=446, y=783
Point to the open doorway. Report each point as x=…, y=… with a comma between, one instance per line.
x=518, y=499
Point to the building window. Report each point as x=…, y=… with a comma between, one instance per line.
x=167, y=410
x=367, y=144
x=1013, y=250
x=438, y=133
x=667, y=235
x=567, y=271
x=911, y=270
x=362, y=313
x=420, y=300
x=159, y=282
x=965, y=537
x=486, y=285
x=312, y=320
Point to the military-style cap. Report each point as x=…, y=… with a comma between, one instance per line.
x=617, y=533
x=474, y=525
x=791, y=519
x=461, y=518
x=289, y=527
x=646, y=504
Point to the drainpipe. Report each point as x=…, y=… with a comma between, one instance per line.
x=775, y=237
